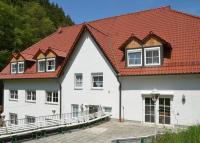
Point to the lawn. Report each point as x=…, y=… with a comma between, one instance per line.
x=191, y=135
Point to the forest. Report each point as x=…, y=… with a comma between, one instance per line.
x=25, y=22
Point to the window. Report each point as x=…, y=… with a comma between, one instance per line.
x=41, y=65
x=51, y=64
x=164, y=110
x=107, y=109
x=152, y=56
x=75, y=110
x=13, y=68
x=134, y=57
x=13, y=118
x=20, y=67
x=30, y=119
x=52, y=97
x=78, y=81
x=31, y=96
x=13, y=95
x=149, y=110
x=97, y=80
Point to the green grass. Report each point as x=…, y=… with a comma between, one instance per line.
x=191, y=135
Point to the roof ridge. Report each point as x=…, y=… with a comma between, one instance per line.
x=186, y=14
x=131, y=13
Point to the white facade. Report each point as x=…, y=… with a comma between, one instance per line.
x=88, y=59
x=24, y=108
x=136, y=88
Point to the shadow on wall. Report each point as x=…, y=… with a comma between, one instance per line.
x=162, y=82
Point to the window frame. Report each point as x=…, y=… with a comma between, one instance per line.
x=51, y=97
x=11, y=67
x=134, y=51
x=28, y=118
x=31, y=100
x=22, y=62
x=75, y=81
x=13, y=121
x=152, y=49
x=164, y=106
x=38, y=65
x=74, y=114
x=92, y=80
x=150, y=110
x=50, y=59
x=14, y=95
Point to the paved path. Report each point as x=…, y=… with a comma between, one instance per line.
x=103, y=133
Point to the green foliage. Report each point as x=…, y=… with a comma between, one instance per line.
x=191, y=135
x=25, y=22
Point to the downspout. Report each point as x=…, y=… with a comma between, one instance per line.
x=60, y=86
x=120, y=98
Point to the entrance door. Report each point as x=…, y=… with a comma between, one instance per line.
x=164, y=110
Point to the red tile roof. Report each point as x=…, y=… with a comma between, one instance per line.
x=180, y=30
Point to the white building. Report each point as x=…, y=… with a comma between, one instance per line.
x=118, y=64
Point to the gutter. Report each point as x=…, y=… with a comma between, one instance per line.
x=120, y=98
x=60, y=86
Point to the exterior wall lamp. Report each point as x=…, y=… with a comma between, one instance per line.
x=183, y=99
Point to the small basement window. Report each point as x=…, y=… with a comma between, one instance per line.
x=152, y=56
x=13, y=68
x=51, y=64
x=134, y=57
x=20, y=67
x=41, y=65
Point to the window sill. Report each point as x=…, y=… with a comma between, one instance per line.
x=78, y=88
x=51, y=103
x=97, y=88
x=13, y=99
x=29, y=101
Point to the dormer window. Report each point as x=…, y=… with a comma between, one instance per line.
x=41, y=65
x=13, y=68
x=50, y=64
x=20, y=67
x=134, y=57
x=152, y=56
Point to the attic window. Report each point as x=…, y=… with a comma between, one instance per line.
x=152, y=56
x=50, y=63
x=13, y=68
x=20, y=67
x=134, y=57
x=41, y=65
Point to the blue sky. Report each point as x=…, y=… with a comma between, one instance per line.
x=88, y=10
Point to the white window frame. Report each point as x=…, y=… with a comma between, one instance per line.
x=134, y=51
x=75, y=114
x=52, y=97
x=150, y=114
x=20, y=63
x=15, y=95
x=164, y=108
x=50, y=59
x=97, y=74
x=30, y=119
x=38, y=65
x=13, y=121
x=32, y=99
x=12, y=68
x=79, y=82
x=152, y=49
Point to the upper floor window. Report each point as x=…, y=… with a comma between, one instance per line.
x=41, y=65
x=13, y=94
x=31, y=96
x=78, y=83
x=52, y=97
x=13, y=68
x=152, y=56
x=50, y=64
x=20, y=67
x=97, y=80
x=134, y=57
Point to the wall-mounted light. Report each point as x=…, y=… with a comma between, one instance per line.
x=183, y=99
